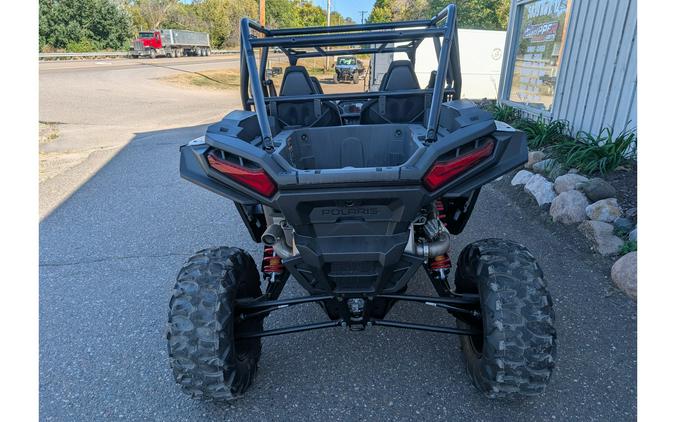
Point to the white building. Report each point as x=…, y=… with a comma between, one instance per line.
x=574, y=60
x=480, y=57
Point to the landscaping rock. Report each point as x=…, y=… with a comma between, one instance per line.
x=607, y=210
x=632, y=214
x=623, y=224
x=597, y=189
x=548, y=167
x=569, y=207
x=534, y=157
x=543, y=166
x=568, y=182
x=521, y=178
x=632, y=236
x=602, y=237
x=624, y=274
x=573, y=171
x=541, y=189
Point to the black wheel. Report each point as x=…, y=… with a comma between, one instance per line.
x=335, y=78
x=207, y=361
x=207, y=52
x=355, y=78
x=153, y=54
x=515, y=355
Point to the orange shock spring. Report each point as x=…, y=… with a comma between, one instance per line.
x=271, y=262
x=441, y=262
x=441, y=211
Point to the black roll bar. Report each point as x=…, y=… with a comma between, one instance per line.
x=351, y=35
x=256, y=86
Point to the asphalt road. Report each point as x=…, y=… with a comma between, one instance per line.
x=109, y=254
x=98, y=106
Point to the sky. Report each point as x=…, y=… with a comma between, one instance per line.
x=349, y=8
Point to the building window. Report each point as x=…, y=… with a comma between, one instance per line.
x=540, y=40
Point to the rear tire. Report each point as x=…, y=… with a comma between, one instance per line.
x=207, y=361
x=515, y=355
x=207, y=52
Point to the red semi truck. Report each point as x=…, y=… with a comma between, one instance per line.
x=171, y=43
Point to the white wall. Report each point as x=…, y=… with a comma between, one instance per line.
x=597, y=82
x=480, y=56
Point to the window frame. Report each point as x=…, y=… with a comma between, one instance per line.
x=508, y=64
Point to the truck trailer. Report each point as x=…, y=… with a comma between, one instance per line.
x=171, y=43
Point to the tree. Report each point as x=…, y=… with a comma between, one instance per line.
x=154, y=13
x=474, y=14
x=282, y=13
x=83, y=25
x=222, y=18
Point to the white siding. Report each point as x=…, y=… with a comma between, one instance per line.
x=597, y=83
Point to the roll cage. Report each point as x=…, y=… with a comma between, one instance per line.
x=299, y=43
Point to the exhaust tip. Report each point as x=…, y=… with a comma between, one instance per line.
x=268, y=239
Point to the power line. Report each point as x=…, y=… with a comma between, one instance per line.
x=362, y=12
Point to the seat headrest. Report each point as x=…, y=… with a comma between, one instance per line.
x=296, y=81
x=400, y=76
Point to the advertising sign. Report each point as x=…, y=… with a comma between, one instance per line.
x=540, y=40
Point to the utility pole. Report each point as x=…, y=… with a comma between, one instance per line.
x=362, y=12
x=327, y=24
x=261, y=11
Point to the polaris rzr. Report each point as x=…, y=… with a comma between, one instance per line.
x=348, y=69
x=351, y=194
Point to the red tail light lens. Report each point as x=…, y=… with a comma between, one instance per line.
x=255, y=179
x=442, y=172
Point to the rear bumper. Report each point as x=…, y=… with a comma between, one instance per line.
x=351, y=225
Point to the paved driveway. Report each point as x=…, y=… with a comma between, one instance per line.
x=109, y=255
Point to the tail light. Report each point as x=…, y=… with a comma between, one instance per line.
x=442, y=172
x=255, y=179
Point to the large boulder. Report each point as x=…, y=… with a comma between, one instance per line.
x=602, y=237
x=597, y=189
x=568, y=182
x=624, y=274
x=541, y=189
x=521, y=178
x=569, y=207
x=534, y=157
x=607, y=210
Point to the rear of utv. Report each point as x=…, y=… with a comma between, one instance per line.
x=350, y=194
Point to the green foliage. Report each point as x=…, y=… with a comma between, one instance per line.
x=474, y=14
x=86, y=25
x=542, y=133
x=597, y=154
x=505, y=113
x=630, y=246
x=80, y=24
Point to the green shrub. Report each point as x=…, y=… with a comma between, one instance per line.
x=541, y=133
x=81, y=46
x=505, y=113
x=596, y=154
x=630, y=246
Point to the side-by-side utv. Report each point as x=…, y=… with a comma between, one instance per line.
x=351, y=194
